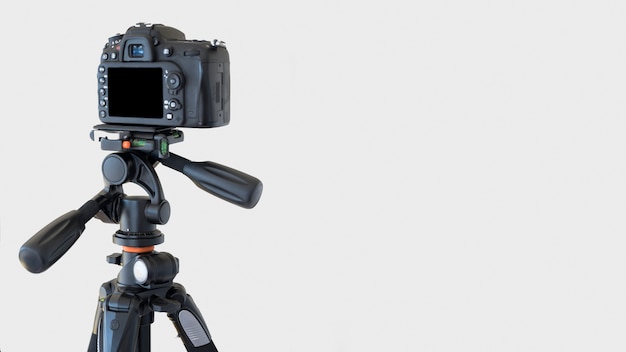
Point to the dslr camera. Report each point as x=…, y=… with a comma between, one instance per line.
x=153, y=76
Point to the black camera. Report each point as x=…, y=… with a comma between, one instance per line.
x=152, y=75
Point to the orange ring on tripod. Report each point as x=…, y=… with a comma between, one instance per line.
x=137, y=249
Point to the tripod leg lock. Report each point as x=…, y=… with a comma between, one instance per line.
x=189, y=322
x=193, y=328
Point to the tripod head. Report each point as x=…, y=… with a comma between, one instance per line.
x=138, y=150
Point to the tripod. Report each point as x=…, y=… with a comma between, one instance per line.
x=145, y=283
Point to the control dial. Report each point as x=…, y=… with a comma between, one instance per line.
x=174, y=80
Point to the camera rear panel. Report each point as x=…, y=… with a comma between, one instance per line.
x=146, y=78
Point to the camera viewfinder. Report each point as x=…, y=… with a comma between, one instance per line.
x=136, y=50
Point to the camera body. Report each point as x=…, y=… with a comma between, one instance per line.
x=153, y=76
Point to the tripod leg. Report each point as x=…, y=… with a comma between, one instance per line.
x=119, y=326
x=93, y=342
x=105, y=290
x=189, y=323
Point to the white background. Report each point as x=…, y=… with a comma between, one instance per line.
x=439, y=176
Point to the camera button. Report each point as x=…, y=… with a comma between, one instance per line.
x=169, y=116
x=173, y=81
x=174, y=104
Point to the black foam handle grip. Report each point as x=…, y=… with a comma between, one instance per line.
x=225, y=183
x=221, y=181
x=48, y=245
